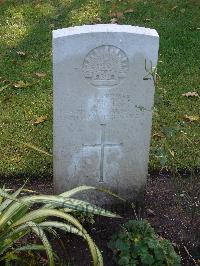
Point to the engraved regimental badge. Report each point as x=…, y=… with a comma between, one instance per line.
x=105, y=66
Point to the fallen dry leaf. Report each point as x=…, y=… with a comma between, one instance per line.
x=98, y=19
x=51, y=26
x=39, y=120
x=40, y=75
x=113, y=20
x=191, y=94
x=15, y=159
x=158, y=135
x=119, y=14
x=151, y=212
x=116, y=14
x=174, y=7
x=191, y=118
x=21, y=53
x=35, y=148
x=3, y=80
x=172, y=152
x=128, y=11
x=113, y=6
x=21, y=84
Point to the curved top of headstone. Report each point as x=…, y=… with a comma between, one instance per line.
x=104, y=28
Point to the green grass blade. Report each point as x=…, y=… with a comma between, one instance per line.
x=32, y=247
x=8, y=201
x=40, y=233
x=107, y=191
x=63, y=226
x=76, y=190
x=9, y=238
x=71, y=229
x=43, y=213
x=4, y=194
x=84, y=188
x=74, y=204
x=56, y=201
x=12, y=214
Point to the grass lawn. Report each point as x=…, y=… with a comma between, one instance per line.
x=26, y=77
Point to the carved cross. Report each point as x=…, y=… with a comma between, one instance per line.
x=102, y=147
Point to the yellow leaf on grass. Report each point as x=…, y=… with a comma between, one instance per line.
x=98, y=19
x=116, y=14
x=40, y=74
x=174, y=7
x=172, y=153
x=36, y=148
x=191, y=118
x=158, y=135
x=191, y=94
x=113, y=20
x=21, y=53
x=128, y=11
x=22, y=84
x=40, y=120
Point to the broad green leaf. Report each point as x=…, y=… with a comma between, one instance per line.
x=124, y=260
x=122, y=245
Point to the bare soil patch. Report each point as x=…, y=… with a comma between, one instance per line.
x=163, y=209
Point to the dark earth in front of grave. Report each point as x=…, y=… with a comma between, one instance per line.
x=167, y=213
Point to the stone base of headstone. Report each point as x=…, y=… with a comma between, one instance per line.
x=132, y=206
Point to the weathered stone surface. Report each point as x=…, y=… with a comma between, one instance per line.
x=103, y=99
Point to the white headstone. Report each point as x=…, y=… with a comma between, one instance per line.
x=103, y=100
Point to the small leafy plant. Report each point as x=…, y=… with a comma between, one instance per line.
x=137, y=244
x=22, y=215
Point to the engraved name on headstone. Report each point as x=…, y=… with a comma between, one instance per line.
x=103, y=100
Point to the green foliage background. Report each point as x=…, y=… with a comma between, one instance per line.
x=26, y=27
x=136, y=243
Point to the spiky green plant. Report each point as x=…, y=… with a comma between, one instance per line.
x=20, y=215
